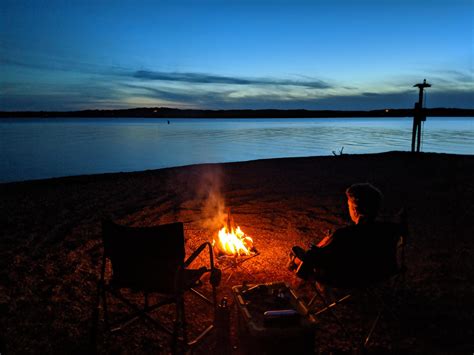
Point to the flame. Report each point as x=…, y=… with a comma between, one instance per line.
x=233, y=242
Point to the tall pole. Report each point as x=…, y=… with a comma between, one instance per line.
x=418, y=117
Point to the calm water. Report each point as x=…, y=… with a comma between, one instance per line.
x=42, y=148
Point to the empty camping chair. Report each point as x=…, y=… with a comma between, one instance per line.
x=151, y=260
x=373, y=264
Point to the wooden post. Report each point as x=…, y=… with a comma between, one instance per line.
x=418, y=117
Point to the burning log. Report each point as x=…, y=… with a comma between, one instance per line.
x=232, y=241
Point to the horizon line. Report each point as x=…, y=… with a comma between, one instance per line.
x=387, y=109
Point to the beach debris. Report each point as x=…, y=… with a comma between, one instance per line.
x=339, y=153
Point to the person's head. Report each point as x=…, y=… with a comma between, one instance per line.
x=364, y=201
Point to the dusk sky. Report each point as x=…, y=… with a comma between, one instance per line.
x=332, y=54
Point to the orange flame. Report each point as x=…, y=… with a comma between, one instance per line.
x=233, y=242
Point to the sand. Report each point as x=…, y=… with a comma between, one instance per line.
x=51, y=246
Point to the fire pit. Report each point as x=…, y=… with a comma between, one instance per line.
x=232, y=247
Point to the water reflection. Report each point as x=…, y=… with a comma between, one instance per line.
x=31, y=149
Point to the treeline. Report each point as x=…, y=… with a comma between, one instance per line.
x=164, y=112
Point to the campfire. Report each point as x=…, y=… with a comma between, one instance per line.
x=232, y=241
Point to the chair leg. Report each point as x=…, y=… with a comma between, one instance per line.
x=194, y=342
x=378, y=300
x=372, y=328
x=139, y=314
x=382, y=307
x=180, y=339
x=201, y=296
x=106, y=313
x=328, y=307
x=383, y=304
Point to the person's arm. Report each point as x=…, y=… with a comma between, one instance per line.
x=325, y=241
x=324, y=250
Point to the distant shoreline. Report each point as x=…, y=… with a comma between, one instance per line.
x=164, y=112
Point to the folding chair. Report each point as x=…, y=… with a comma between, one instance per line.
x=383, y=267
x=151, y=260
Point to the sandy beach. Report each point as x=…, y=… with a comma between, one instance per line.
x=51, y=243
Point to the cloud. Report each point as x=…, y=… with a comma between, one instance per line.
x=180, y=95
x=102, y=86
x=285, y=100
x=200, y=78
x=457, y=76
x=129, y=95
x=54, y=64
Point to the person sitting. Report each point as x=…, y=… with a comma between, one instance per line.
x=363, y=252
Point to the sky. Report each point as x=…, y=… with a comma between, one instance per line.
x=229, y=54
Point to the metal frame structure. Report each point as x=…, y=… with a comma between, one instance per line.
x=183, y=279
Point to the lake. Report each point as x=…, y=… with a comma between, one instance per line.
x=44, y=148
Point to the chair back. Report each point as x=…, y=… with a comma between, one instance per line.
x=367, y=255
x=380, y=260
x=144, y=258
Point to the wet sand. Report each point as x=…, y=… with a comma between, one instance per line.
x=50, y=243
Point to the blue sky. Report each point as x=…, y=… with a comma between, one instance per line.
x=225, y=54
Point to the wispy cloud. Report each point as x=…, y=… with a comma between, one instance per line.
x=67, y=65
x=458, y=76
x=177, y=95
x=201, y=78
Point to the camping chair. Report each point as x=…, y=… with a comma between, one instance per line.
x=152, y=260
x=388, y=274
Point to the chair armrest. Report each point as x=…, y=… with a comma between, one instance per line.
x=198, y=251
x=215, y=273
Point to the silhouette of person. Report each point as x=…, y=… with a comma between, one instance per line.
x=363, y=251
